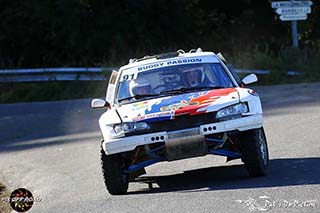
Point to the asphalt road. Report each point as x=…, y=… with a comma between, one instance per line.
x=52, y=149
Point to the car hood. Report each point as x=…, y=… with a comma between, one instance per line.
x=166, y=108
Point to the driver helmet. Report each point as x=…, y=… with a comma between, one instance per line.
x=194, y=76
x=171, y=79
x=139, y=87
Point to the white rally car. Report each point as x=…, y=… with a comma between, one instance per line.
x=174, y=106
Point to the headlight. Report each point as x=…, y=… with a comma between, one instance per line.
x=233, y=111
x=129, y=127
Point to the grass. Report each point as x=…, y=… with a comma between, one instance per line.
x=4, y=194
x=305, y=61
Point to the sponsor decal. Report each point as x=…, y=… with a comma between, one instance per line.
x=154, y=116
x=176, y=106
x=189, y=103
x=132, y=72
x=203, y=100
x=139, y=106
x=167, y=108
x=169, y=63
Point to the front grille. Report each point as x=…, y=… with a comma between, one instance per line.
x=183, y=133
x=180, y=122
x=183, y=122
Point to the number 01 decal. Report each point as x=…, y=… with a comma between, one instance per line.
x=128, y=77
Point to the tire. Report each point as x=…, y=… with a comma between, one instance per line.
x=254, y=152
x=115, y=179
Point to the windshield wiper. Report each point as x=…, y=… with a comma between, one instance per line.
x=187, y=89
x=206, y=87
x=174, y=91
x=138, y=96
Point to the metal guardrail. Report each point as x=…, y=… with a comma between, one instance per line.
x=266, y=72
x=54, y=74
x=81, y=74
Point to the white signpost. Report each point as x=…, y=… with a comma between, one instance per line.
x=292, y=11
x=279, y=4
x=293, y=17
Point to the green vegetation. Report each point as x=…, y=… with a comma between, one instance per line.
x=305, y=61
x=91, y=33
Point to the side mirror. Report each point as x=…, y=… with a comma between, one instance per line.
x=249, y=79
x=99, y=103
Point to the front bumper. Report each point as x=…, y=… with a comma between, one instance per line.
x=125, y=144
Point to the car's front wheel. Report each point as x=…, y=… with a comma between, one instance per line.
x=254, y=151
x=115, y=179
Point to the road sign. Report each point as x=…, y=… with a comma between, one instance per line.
x=279, y=4
x=293, y=17
x=293, y=10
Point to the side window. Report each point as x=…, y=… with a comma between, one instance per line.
x=113, y=77
x=221, y=75
x=234, y=74
x=123, y=90
x=211, y=76
x=111, y=86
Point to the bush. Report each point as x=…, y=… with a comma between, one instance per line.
x=306, y=61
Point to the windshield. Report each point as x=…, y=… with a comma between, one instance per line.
x=171, y=80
